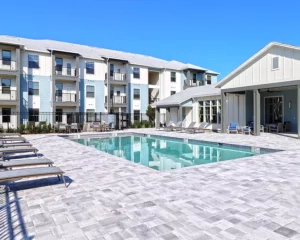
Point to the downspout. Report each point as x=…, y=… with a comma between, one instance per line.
x=108, y=86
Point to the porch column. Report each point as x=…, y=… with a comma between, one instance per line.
x=168, y=117
x=108, y=86
x=179, y=112
x=77, y=83
x=157, y=118
x=18, y=85
x=223, y=112
x=256, y=99
x=298, y=110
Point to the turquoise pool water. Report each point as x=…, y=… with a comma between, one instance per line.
x=166, y=154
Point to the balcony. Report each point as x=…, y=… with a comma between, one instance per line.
x=153, y=100
x=117, y=101
x=8, y=96
x=192, y=83
x=65, y=73
x=65, y=99
x=116, y=78
x=8, y=65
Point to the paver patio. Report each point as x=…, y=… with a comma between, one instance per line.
x=111, y=198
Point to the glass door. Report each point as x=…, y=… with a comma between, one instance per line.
x=273, y=110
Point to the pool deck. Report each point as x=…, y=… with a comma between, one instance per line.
x=252, y=198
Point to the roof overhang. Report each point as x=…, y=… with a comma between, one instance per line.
x=55, y=51
x=116, y=59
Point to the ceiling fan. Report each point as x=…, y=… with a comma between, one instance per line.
x=272, y=91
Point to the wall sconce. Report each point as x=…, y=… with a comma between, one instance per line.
x=290, y=104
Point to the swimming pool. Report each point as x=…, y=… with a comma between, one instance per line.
x=163, y=154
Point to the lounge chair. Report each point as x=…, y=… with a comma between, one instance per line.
x=10, y=150
x=233, y=127
x=3, y=135
x=178, y=126
x=25, y=163
x=189, y=127
x=278, y=127
x=20, y=144
x=74, y=126
x=198, y=128
x=168, y=125
x=13, y=139
x=14, y=175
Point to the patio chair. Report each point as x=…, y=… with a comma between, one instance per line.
x=198, y=128
x=189, y=127
x=62, y=127
x=74, y=126
x=14, y=175
x=10, y=150
x=278, y=127
x=4, y=135
x=168, y=126
x=20, y=144
x=56, y=127
x=177, y=127
x=13, y=139
x=26, y=162
x=97, y=126
x=233, y=127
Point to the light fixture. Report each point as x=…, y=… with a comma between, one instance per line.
x=290, y=104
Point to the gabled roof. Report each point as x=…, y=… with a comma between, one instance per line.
x=187, y=94
x=96, y=53
x=253, y=58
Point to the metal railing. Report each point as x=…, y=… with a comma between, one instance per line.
x=153, y=100
x=65, y=97
x=193, y=83
x=117, y=99
x=8, y=95
x=116, y=76
x=65, y=71
x=8, y=64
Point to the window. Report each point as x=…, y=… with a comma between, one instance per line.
x=69, y=69
x=58, y=64
x=90, y=115
x=33, y=114
x=90, y=91
x=173, y=76
x=136, y=73
x=136, y=115
x=89, y=66
x=173, y=92
x=118, y=93
x=136, y=94
x=208, y=79
x=273, y=110
x=6, y=112
x=214, y=111
x=207, y=112
x=5, y=83
x=111, y=70
x=33, y=61
x=194, y=77
x=201, y=112
x=275, y=63
x=58, y=115
x=33, y=88
x=6, y=57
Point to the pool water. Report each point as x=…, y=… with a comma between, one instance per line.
x=166, y=154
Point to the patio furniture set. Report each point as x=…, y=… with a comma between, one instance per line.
x=193, y=127
x=234, y=127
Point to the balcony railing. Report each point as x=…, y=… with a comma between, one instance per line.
x=8, y=95
x=117, y=100
x=116, y=76
x=65, y=97
x=192, y=83
x=153, y=100
x=8, y=64
x=65, y=71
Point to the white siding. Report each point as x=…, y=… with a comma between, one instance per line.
x=236, y=111
x=45, y=64
x=260, y=71
x=100, y=68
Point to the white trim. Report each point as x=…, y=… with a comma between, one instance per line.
x=265, y=107
x=85, y=87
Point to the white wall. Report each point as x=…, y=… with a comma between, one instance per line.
x=168, y=86
x=100, y=68
x=260, y=71
x=143, y=75
x=13, y=65
x=45, y=64
x=174, y=114
x=236, y=111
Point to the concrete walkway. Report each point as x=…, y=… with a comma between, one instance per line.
x=111, y=198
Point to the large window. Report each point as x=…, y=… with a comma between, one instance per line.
x=6, y=112
x=208, y=79
x=90, y=91
x=58, y=64
x=33, y=88
x=136, y=115
x=33, y=61
x=136, y=94
x=58, y=115
x=273, y=110
x=33, y=114
x=89, y=67
x=6, y=57
x=210, y=111
x=136, y=72
x=173, y=76
x=5, y=84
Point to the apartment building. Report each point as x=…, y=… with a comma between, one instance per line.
x=46, y=80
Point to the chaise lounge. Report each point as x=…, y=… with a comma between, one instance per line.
x=25, y=163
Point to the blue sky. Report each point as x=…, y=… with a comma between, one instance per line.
x=218, y=35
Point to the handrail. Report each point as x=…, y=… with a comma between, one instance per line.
x=65, y=97
x=65, y=71
x=117, y=76
x=7, y=94
x=117, y=99
x=8, y=64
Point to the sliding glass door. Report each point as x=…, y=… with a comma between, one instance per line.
x=273, y=110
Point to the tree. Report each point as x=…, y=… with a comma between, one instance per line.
x=150, y=113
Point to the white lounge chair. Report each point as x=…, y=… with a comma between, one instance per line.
x=11, y=150
x=16, y=144
x=25, y=163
